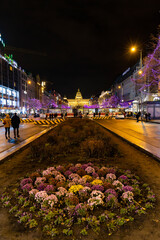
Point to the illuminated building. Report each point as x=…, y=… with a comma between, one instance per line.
x=78, y=102
x=10, y=77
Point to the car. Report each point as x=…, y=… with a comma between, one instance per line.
x=119, y=115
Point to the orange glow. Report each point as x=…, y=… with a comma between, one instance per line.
x=140, y=72
x=133, y=49
x=29, y=82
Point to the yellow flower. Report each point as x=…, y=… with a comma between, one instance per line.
x=88, y=178
x=97, y=182
x=75, y=188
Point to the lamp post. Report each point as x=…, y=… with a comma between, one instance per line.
x=133, y=49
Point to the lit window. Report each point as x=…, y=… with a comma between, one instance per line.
x=8, y=92
x=4, y=101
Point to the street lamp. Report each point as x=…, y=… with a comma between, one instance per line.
x=133, y=49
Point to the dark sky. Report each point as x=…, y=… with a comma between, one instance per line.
x=77, y=43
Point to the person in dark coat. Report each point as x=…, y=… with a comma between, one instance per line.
x=15, y=124
x=146, y=116
x=149, y=116
x=137, y=116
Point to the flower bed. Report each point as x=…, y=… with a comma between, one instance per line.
x=58, y=199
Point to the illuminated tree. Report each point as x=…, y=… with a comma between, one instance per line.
x=148, y=78
x=114, y=102
x=34, y=104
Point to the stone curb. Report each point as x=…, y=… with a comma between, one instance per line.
x=132, y=144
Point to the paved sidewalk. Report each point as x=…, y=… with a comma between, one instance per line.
x=157, y=121
x=144, y=136
x=28, y=133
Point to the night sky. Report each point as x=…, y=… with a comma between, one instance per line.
x=77, y=43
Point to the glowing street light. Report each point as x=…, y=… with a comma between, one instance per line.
x=29, y=82
x=133, y=49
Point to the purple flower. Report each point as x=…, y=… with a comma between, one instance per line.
x=87, y=184
x=67, y=173
x=60, y=169
x=124, y=177
x=25, y=181
x=110, y=196
x=41, y=186
x=98, y=187
x=111, y=191
x=95, y=175
x=73, y=169
x=127, y=188
x=79, y=205
x=27, y=187
x=84, y=166
x=49, y=189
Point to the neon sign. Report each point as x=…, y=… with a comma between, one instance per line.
x=10, y=60
x=1, y=40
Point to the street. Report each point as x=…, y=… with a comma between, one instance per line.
x=26, y=130
x=144, y=135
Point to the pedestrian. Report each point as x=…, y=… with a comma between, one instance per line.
x=94, y=114
x=52, y=116
x=137, y=116
x=149, y=116
x=66, y=114
x=7, y=124
x=61, y=115
x=15, y=124
x=99, y=114
x=146, y=116
x=80, y=114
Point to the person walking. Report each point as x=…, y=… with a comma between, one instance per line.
x=146, y=116
x=149, y=116
x=137, y=116
x=15, y=124
x=7, y=124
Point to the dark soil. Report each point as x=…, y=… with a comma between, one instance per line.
x=143, y=228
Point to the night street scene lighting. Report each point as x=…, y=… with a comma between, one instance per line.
x=79, y=120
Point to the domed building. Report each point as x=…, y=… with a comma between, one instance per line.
x=78, y=102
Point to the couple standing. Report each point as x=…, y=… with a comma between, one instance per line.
x=14, y=121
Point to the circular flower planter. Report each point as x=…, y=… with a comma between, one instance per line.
x=91, y=197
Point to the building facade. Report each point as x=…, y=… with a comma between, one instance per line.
x=78, y=102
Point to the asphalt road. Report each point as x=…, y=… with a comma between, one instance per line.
x=26, y=130
x=143, y=134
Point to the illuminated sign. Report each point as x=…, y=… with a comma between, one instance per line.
x=126, y=71
x=1, y=40
x=10, y=60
